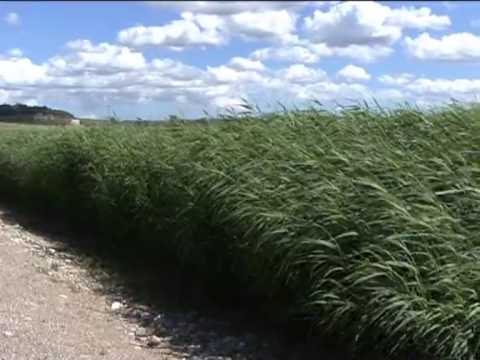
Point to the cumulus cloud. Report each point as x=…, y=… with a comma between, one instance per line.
x=273, y=24
x=12, y=18
x=299, y=73
x=363, y=53
x=418, y=18
x=369, y=29
x=191, y=30
x=352, y=73
x=368, y=23
x=213, y=30
x=230, y=7
x=97, y=74
x=227, y=74
x=332, y=91
x=81, y=78
x=18, y=71
x=294, y=53
x=453, y=47
x=446, y=87
x=389, y=95
x=241, y=63
x=368, y=32
x=309, y=53
x=396, y=80
x=102, y=58
x=425, y=91
x=360, y=24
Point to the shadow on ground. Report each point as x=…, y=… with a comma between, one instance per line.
x=169, y=306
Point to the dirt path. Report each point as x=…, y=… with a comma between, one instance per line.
x=45, y=318
x=57, y=302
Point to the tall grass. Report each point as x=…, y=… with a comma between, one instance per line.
x=365, y=222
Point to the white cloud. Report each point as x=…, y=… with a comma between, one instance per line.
x=368, y=23
x=363, y=53
x=229, y=7
x=273, y=24
x=228, y=102
x=352, y=73
x=446, y=87
x=203, y=30
x=12, y=19
x=299, y=54
x=360, y=23
x=101, y=58
x=241, y=63
x=368, y=31
x=425, y=91
x=453, y=47
x=392, y=95
x=234, y=7
x=20, y=71
x=175, y=70
x=396, y=80
x=299, y=73
x=418, y=18
x=309, y=53
x=331, y=91
x=191, y=30
x=227, y=74
x=82, y=76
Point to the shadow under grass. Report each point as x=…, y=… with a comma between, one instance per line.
x=197, y=319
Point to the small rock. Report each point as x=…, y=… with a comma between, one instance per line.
x=116, y=306
x=146, y=316
x=54, y=265
x=154, y=341
x=142, y=332
x=142, y=315
x=51, y=251
x=8, y=333
x=158, y=318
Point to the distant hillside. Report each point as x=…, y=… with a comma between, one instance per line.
x=20, y=113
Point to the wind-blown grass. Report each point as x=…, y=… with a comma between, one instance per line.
x=365, y=222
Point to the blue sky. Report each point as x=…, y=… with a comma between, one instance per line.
x=152, y=59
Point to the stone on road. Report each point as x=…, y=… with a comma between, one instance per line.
x=45, y=320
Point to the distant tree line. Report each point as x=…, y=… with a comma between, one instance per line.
x=33, y=114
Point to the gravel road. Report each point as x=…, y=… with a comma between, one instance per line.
x=56, y=302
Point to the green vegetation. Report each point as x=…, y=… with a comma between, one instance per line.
x=364, y=222
x=25, y=114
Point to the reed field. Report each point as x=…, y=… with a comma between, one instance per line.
x=365, y=222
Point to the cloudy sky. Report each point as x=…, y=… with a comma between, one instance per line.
x=151, y=59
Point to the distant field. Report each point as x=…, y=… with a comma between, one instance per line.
x=13, y=125
x=8, y=125
x=365, y=223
